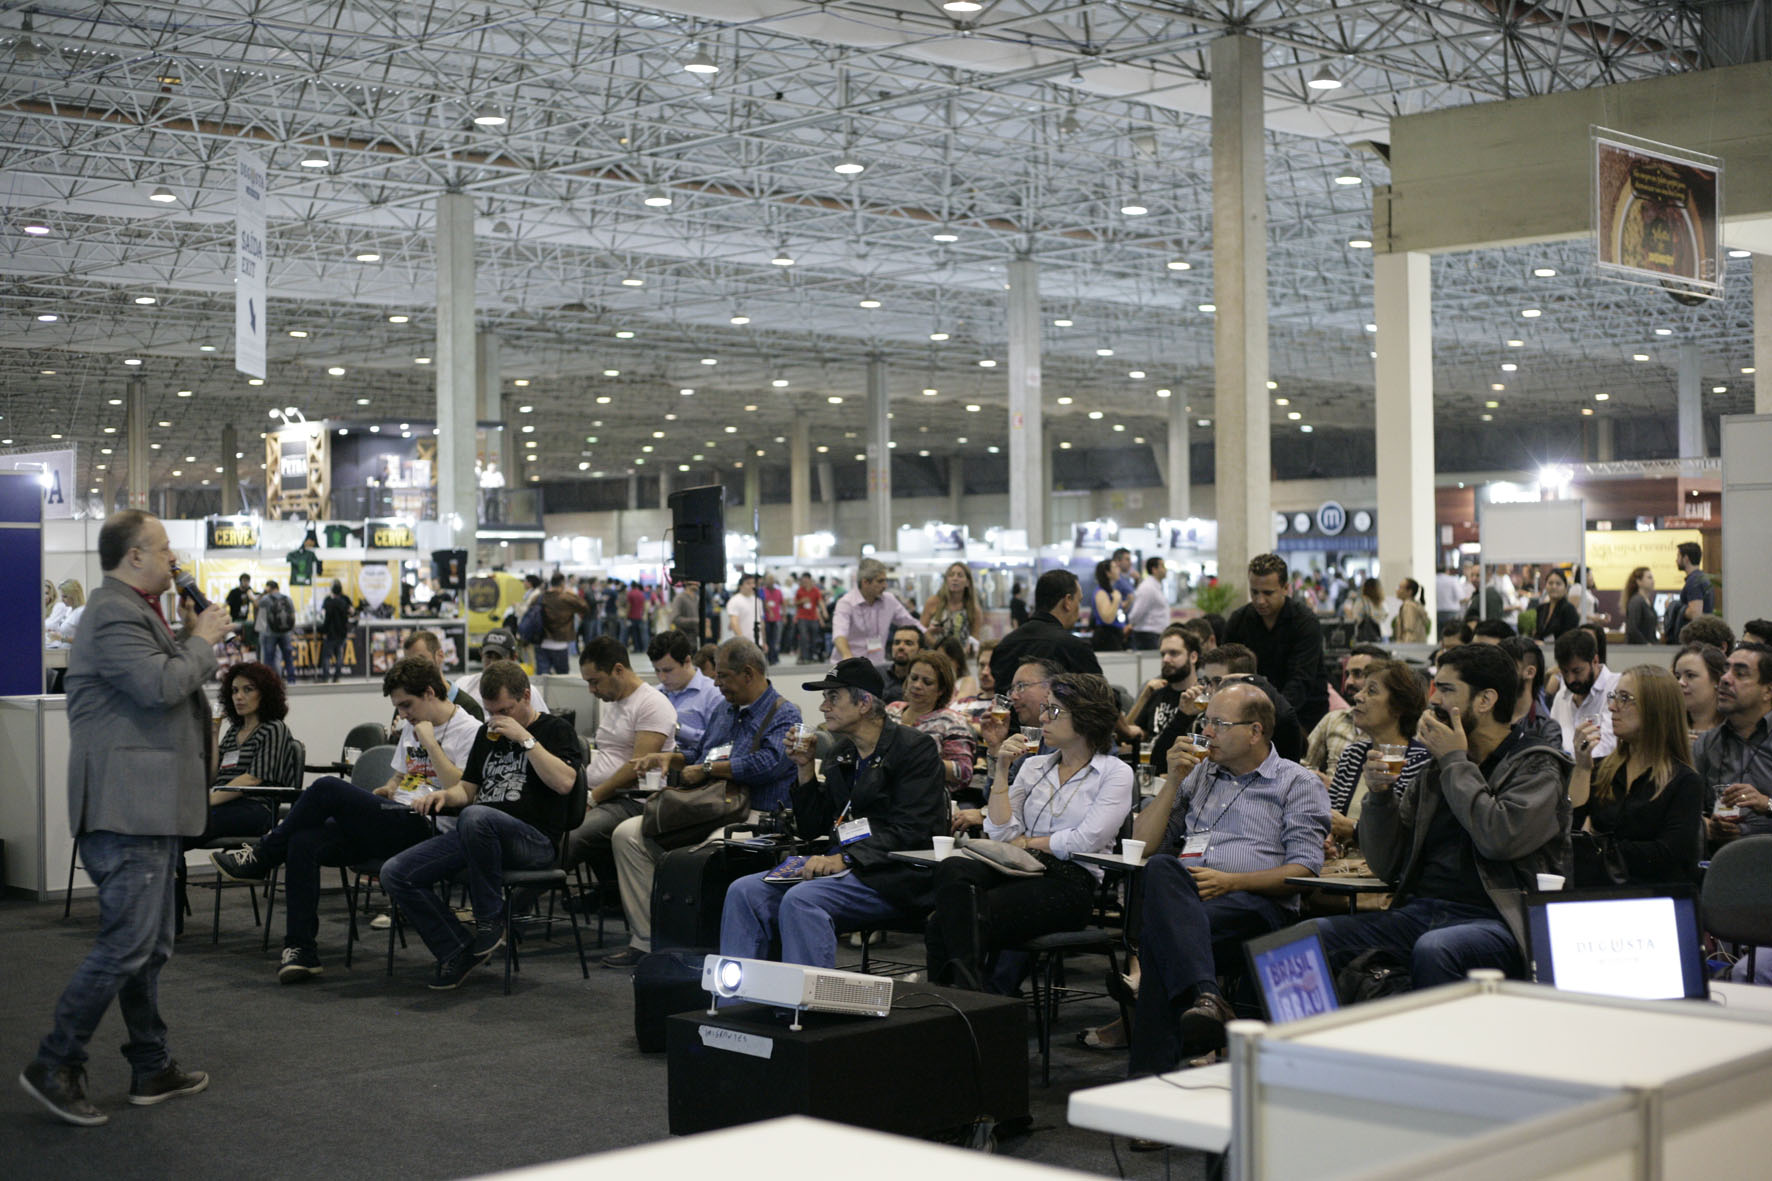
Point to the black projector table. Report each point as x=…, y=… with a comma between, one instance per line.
x=911, y=1072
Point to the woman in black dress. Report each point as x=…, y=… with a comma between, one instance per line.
x=1556, y=614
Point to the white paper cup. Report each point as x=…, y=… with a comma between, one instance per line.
x=944, y=848
x=1550, y=881
x=654, y=779
x=1132, y=851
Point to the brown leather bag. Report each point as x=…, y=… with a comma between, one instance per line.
x=681, y=817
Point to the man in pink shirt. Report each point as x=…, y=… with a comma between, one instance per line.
x=866, y=616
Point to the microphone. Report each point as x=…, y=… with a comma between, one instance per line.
x=187, y=588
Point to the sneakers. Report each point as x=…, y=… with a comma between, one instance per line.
x=627, y=957
x=241, y=865
x=62, y=1089
x=169, y=1083
x=382, y=921
x=299, y=963
x=451, y=972
x=1202, y=1026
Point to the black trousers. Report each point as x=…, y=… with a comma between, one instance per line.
x=979, y=910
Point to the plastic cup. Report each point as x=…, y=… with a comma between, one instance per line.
x=944, y=848
x=1393, y=757
x=1550, y=881
x=1033, y=734
x=654, y=779
x=1132, y=851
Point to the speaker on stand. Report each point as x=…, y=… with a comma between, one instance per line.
x=698, y=539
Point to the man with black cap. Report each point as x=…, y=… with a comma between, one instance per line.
x=496, y=645
x=883, y=790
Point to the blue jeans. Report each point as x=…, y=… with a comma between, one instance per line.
x=332, y=656
x=811, y=640
x=1442, y=940
x=135, y=878
x=638, y=636
x=807, y=916
x=273, y=644
x=485, y=843
x=551, y=660
x=1183, y=945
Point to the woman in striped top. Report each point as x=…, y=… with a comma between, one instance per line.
x=253, y=749
x=1386, y=711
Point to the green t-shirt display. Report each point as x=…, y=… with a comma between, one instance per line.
x=303, y=565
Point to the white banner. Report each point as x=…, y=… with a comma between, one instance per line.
x=249, y=265
x=54, y=471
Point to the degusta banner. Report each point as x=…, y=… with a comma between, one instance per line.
x=249, y=265
x=54, y=471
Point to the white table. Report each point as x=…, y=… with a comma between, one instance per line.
x=793, y=1145
x=1187, y=1108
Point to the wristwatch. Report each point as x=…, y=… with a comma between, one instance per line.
x=847, y=859
x=529, y=744
x=707, y=768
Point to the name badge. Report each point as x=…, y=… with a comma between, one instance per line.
x=723, y=751
x=230, y=759
x=854, y=830
x=1194, y=847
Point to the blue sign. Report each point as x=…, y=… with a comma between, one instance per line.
x=1331, y=518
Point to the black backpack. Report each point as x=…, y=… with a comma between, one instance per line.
x=279, y=614
x=1372, y=974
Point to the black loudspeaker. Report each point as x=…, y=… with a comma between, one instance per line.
x=911, y=1072
x=698, y=533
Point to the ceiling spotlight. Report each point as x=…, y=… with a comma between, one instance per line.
x=1069, y=125
x=782, y=258
x=1516, y=344
x=701, y=63
x=1324, y=79
x=657, y=197
x=336, y=370
x=938, y=337
x=36, y=228
x=315, y=158
x=710, y=360
x=1359, y=243
x=47, y=317
x=612, y=373
x=1530, y=313
x=1602, y=397
x=930, y=391
x=1104, y=352
x=367, y=256
x=26, y=49
x=1132, y=208
x=1063, y=322
x=299, y=333
x=869, y=302
x=489, y=117
x=1208, y=308
x=163, y=195
x=739, y=318
x=848, y=166
x=1347, y=178
x=961, y=7
x=632, y=280
x=1741, y=254
x=624, y=334
x=944, y=234
x=1135, y=374
x=1544, y=272
x=780, y=383
x=1179, y=264
x=987, y=363
x=146, y=300
x=398, y=319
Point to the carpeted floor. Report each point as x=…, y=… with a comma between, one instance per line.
x=359, y=1075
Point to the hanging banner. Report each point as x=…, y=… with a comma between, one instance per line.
x=54, y=471
x=230, y=533
x=1658, y=214
x=389, y=534
x=249, y=265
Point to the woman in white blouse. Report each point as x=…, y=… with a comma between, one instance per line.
x=1063, y=803
x=65, y=618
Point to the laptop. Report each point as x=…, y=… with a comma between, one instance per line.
x=1292, y=974
x=1640, y=942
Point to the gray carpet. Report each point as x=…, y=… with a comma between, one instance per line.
x=357, y=1075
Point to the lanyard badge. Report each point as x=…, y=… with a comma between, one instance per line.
x=1195, y=846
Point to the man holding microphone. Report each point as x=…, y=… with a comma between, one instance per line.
x=139, y=734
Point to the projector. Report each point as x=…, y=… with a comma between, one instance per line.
x=796, y=986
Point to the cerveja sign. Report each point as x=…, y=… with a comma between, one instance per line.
x=232, y=533
x=389, y=535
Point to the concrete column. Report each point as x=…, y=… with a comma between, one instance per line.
x=827, y=484
x=1239, y=276
x=230, y=471
x=800, y=477
x=109, y=479
x=1178, y=472
x=1027, y=447
x=633, y=491
x=1763, y=334
x=1691, y=403
x=490, y=403
x=1403, y=311
x=664, y=485
x=1605, y=440
x=135, y=411
x=457, y=374
x=956, y=488
x=879, y=459
x=753, y=488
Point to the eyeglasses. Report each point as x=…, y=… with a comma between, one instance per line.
x=1621, y=697
x=1052, y=710
x=1212, y=723
x=1211, y=682
x=1024, y=686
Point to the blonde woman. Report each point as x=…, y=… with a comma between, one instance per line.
x=62, y=622
x=953, y=610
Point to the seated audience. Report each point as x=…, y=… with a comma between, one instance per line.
x=882, y=790
x=1329, y=737
x=513, y=795
x=691, y=692
x=1471, y=833
x=425, y=645
x=705, y=657
x=1225, y=663
x=928, y=688
x=1739, y=751
x=1073, y=800
x=965, y=684
x=907, y=641
x=1581, y=667
x=1708, y=629
x=1386, y=711
x=1639, y=815
x=1556, y=614
x=335, y=822
x=1178, y=653
x=496, y=645
x=1698, y=668
x=635, y=720
x=64, y=617
x=1531, y=710
x=743, y=745
x=1248, y=820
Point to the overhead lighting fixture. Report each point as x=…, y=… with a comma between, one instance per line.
x=299, y=333
x=1063, y=322
x=938, y=337
x=520, y=383
x=1133, y=208
x=1135, y=374
x=612, y=373
x=1104, y=352
x=1664, y=332
x=710, y=360
x=849, y=166
x=632, y=281
x=739, y=319
x=1602, y=397
x=421, y=360
x=657, y=197
x=1516, y=344
x=1530, y=313
x=367, y=256
x=1208, y=308
x=944, y=234
x=701, y=63
x=1165, y=393
x=1307, y=428
x=1544, y=272
x=1741, y=254
x=1324, y=79
x=206, y=348
x=961, y=7
x=624, y=334
x=398, y=319
x=501, y=227
x=987, y=363
x=782, y=258
x=780, y=383
x=1069, y=125
x=163, y=195
x=315, y=158
x=868, y=302
x=36, y=228
x=1179, y=264
x=1348, y=178
x=835, y=399
x=1359, y=243
x=930, y=391
x=336, y=370
x=1066, y=400
x=1509, y=367
x=489, y=117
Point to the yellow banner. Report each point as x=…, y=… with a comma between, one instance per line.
x=1614, y=554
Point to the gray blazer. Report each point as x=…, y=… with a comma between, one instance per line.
x=138, y=721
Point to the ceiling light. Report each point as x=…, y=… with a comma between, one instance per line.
x=849, y=166
x=1066, y=400
x=315, y=158
x=973, y=408
x=520, y=382
x=501, y=227
x=835, y=400
x=526, y=408
x=1104, y=352
x=732, y=430
x=489, y=117
x=1664, y=332
x=1135, y=374
x=1095, y=414
x=1306, y=427
x=780, y=383
x=750, y=407
x=612, y=373
x=686, y=392
x=1530, y=313
x=1741, y=254
x=1209, y=308
x=923, y=454
x=421, y=360
x=1487, y=417
x=1587, y=411
x=1639, y=356
x=1544, y=272
x=938, y=337
x=1132, y=208
x=710, y=360
x=1347, y=178
x=624, y=334
x=1516, y=344
x=1359, y=243
x=36, y=228
x=1324, y=79
x=1179, y=264
x=961, y=7
x=701, y=63
x=163, y=195
x=336, y=370
x=1062, y=322
x=869, y=302
x=132, y=360
x=740, y=319
x=1282, y=401
x=1293, y=415
x=632, y=280
x=1065, y=446
x=1164, y=393
x=1747, y=369
x=656, y=197
x=930, y=391
x=987, y=363
x=47, y=317
x=255, y=381
x=944, y=234
x=1202, y=422
x=367, y=256
x=603, y=399
x=1602, y=397
x=1497, y=386
x=398, y=319
x=1069, y=125
x=782, y=258
x=299, y=333
x=206, y=348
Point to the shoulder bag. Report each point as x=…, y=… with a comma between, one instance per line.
x=680, y=817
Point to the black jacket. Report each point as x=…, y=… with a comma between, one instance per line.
x=1290, y=654
x=903, y=795
x=1042, y=637
x=335, y=623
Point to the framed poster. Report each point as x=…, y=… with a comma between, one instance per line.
x=1658, y=214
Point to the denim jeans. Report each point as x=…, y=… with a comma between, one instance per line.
x=772, y=639
x=811, y=640
x=638, y=637
x=274, y=644
x=551, y=660
x=485, y=843
x=333, y=822
x=332, y=656
x=1442, y=940
x=807, y=916
x=134, y=875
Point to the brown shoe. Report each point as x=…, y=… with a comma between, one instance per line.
x=1202, y=1026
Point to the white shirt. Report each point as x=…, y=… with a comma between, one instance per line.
x=1081, y=815
x=1510, y=598
x=741, y=611
x=619, y=722
x=1149, y=611
x=412, y=762
x=470, y=685
x=1567, y=714
x=1450, y=592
